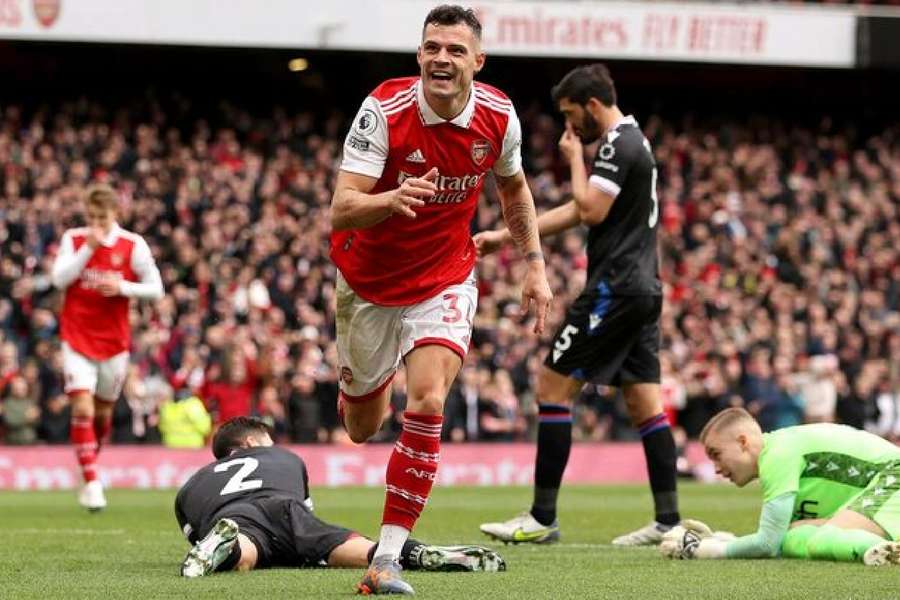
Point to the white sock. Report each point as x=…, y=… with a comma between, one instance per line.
x=391, y=541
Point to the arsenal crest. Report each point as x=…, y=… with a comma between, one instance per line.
x=116, y=260
x=346, y=375
x=480, y=149
x=46, y=11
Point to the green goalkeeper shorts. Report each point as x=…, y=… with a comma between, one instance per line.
x=880, y=500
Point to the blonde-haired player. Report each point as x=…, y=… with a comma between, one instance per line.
x=100, y=267
x=830, y=492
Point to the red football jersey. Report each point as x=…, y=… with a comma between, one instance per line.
x=395, y=135
x=92, y=324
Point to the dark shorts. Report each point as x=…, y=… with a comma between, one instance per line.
x=606, y=339
x=285, y=532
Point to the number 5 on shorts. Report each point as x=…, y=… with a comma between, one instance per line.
x=564, y=342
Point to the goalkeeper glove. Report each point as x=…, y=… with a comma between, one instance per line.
x=682, y=541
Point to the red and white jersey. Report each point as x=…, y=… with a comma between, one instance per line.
x=395, y=135
x=92, y=324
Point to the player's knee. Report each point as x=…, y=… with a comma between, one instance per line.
x=429, y=402
x=103, y=410
x=359, y=435
x=361, y=431
x=642, y=406
x=82, y=405
x=549, y=393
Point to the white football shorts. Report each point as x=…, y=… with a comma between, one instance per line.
x=102, y=378
x=373, y=339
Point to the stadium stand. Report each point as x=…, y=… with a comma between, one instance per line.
x=778, y=243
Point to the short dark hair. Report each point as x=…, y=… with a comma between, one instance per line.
x=232, y=433
x=453, y=14
x=586, y=82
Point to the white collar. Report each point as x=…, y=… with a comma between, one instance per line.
x=429, y=117
x=625, y=120
x=110, y=239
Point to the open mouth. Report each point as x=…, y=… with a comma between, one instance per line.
x=441, y=76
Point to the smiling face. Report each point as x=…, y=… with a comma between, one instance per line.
x=449, y=57
x=732, y=452
x=582, y=121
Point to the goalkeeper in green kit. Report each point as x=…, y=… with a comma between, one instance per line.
x=830, y=492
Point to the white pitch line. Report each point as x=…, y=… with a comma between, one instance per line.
x=52, y=531
x=564, y=545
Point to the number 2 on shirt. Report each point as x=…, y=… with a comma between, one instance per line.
x=238, y=481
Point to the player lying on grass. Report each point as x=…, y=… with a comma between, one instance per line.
x=251, y=509
x=830, y=492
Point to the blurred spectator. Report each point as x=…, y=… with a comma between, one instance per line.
x=20, y=412
x=304, y=418
x=500, y=416
x=136, y=414
x=888, y=405
x=777, y=243
x=184, y=422
x=271, y=410
x=230, y=386
x=816, y=382
x=9, y=364
x=55, y=417
x=461, y=421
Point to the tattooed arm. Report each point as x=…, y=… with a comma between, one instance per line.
x=521, y=221
x=520, y=216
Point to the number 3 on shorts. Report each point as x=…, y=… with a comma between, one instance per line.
x=453, y=313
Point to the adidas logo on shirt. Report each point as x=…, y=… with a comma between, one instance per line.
x=416, y=156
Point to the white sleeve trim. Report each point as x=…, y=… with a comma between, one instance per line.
x=605, y=185
x=366, y=144
x=149, y=286
x=362, y=168
x=510, y=160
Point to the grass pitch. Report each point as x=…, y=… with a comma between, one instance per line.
x=51, y=548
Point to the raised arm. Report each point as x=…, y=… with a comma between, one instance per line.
x=69, y=263
x=353, y=207
x=591, y=198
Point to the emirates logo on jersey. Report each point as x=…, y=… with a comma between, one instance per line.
x=451, y=189
x=480, y=150
x=116, y=260
x=46, y=11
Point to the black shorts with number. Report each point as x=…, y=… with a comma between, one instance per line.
x=609, y=339
x=285, y=532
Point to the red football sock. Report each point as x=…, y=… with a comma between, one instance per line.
x=412, y=469
x=85, y=442
x=102, y=427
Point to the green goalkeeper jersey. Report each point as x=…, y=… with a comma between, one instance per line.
x=825, y=465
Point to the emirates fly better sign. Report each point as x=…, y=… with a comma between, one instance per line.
x=806, y=35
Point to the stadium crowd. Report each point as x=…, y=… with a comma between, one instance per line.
x=778, y=244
